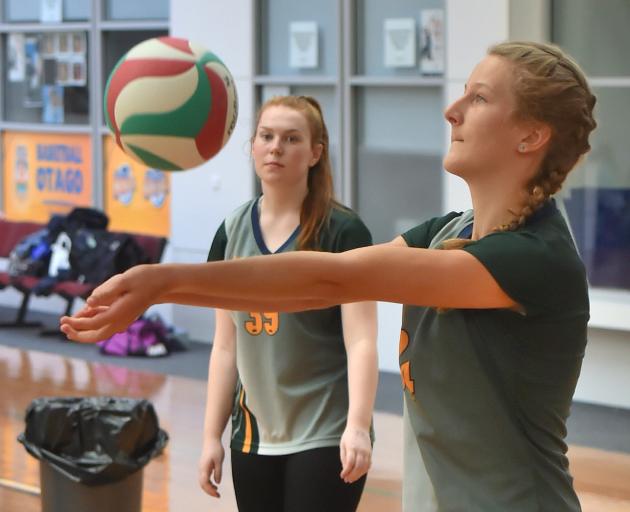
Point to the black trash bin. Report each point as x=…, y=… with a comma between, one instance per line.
x=92, y=451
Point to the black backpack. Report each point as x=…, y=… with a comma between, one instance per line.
x=97, y=254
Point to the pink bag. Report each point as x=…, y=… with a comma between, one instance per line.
x=144, y=337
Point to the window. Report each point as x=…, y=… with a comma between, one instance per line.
x=126, y=10
x=53, y=99
x=32, y=11
x=378, y=76
x=47, y=78
x=597, y=194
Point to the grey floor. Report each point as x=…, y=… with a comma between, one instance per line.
x=596, y=426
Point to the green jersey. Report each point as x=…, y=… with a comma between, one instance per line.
x=488, y=391
x=292, y=393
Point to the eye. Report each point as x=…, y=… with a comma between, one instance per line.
x=266, y=136
x=292, y=139
x=479, y=99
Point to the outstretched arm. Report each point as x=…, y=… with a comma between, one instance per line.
x=300, y=280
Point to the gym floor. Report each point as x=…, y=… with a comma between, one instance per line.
x=31, y=367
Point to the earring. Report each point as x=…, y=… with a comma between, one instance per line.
x=521, y=147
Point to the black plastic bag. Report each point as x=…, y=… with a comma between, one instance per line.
x=93, y=440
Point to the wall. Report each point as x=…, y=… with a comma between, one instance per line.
x=204, y=196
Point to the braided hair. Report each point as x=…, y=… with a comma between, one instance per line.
x=551, y=88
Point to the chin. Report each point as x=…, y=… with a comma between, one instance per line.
x=452, y=166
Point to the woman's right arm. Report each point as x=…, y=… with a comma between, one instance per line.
x=222, y=377
x=297, y=281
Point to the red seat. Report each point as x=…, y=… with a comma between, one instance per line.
x=11, y=232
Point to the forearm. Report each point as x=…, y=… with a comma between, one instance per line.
x=362, y=382
x=235, y=304
x=297, y=281
x=222, y=377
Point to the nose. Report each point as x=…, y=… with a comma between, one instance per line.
x=453, y=113
x=276, y=146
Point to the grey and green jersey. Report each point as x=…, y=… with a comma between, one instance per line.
x=488, y=392
x=292, y=393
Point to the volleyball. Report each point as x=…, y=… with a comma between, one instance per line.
x=170, y=103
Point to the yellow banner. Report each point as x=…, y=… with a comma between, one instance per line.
x=45, y=174
x=137, y=198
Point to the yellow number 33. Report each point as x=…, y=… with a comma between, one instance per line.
x=259, y=321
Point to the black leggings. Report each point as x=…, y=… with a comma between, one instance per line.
x=300, y=482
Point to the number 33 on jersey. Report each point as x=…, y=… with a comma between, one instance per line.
x=256, y=322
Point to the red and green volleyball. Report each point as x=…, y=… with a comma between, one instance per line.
x=170, y=103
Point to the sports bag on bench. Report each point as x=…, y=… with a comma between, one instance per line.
x=97, y=255
x=145, y=337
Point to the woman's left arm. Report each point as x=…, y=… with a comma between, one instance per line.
x=359, y=331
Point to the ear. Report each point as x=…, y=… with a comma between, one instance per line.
x=537, y=136
x=317, y=153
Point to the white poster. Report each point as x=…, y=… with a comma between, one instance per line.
x=50, y=11
x=32, y=72
x=303, y=44
x=400, y=42
x=16, y=61
x=432, y=41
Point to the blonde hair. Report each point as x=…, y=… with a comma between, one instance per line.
x=549, y=87
x=320, y=196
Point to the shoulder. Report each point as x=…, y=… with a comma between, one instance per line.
x=238, y=214
x=227, y=230
x=344, y=230
x=422, y=235
x=536, y=265
x=548, y=240
x=343, y=218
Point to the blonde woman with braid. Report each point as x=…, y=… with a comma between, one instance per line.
x=496, y=303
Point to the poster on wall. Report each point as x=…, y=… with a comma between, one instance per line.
x=137, y=197
x=303, y=45
x=45, y=174
x=50, y=11
x=400, y=42
x=432, y=41
x=16, y=58
x=64, y=58
x=32, y=73
x=52, y=104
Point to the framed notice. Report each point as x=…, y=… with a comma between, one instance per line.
x=16, y=60
x=303, y=45
x=432, y=41
x=400, y=42
x=50, y=11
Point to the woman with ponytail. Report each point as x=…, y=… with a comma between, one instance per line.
x=300, y=387
x=496, y=300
